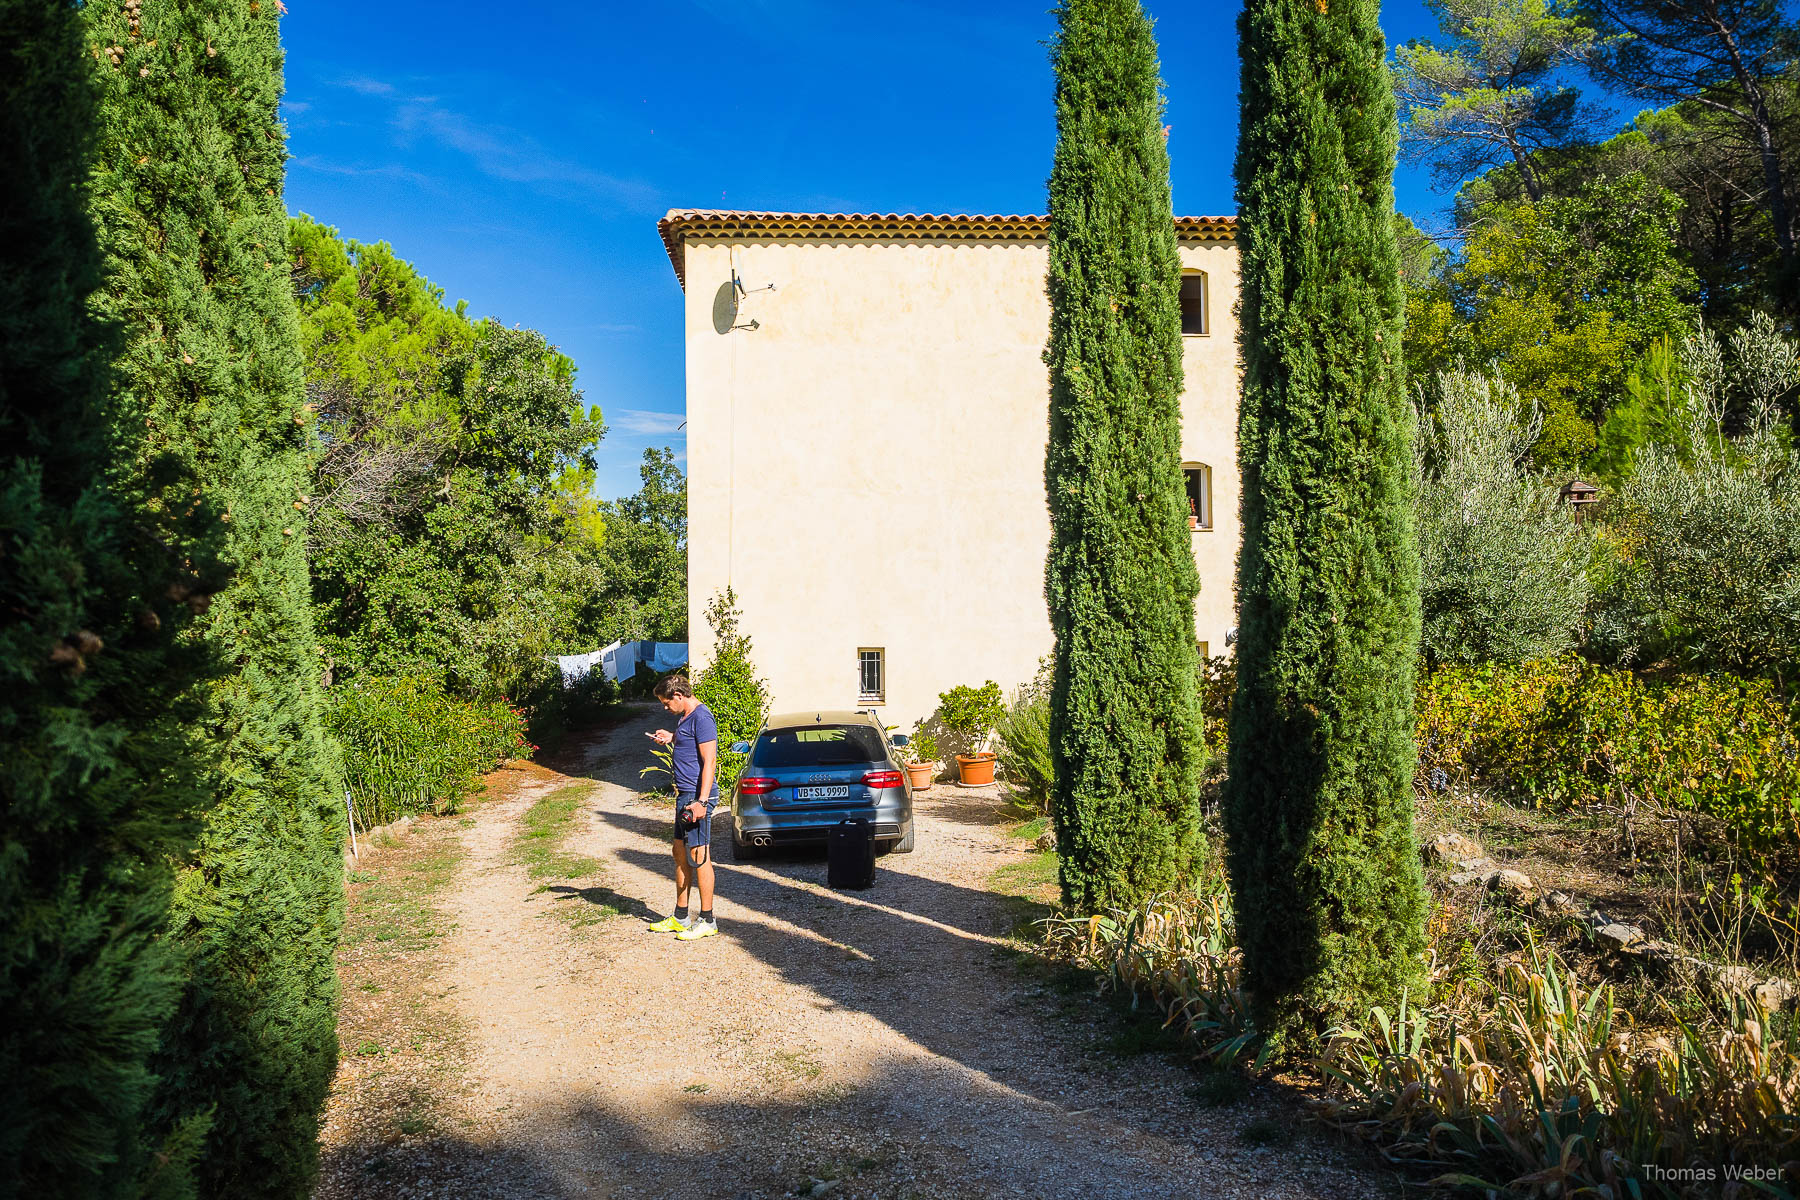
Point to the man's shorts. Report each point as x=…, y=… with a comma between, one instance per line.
x=699, y=835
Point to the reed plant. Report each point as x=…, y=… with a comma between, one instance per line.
x=1546, y=1089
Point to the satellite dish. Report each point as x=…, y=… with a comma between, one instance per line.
x=725, y=306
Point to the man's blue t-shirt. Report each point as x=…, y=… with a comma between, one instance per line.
x=695, y=728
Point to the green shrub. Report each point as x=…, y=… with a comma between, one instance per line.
x=1218, y=682
x=410, y=748
x=1569, y=732
x=967, y=716
x=729, y=686
x=1706, y=540
x=1024, y=747
x=1504, y=568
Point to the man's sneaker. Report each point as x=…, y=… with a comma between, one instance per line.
x=699, y=929
x=671, y=925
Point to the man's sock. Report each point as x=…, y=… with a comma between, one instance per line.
x=681, y=912
x=706, y=914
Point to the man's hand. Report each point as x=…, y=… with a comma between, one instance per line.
x=696, y=812
x=661, y=737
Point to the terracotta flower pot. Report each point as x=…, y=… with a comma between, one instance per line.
x=975, y=769
x=921, y=773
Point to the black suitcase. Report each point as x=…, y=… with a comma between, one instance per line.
x=851, y=854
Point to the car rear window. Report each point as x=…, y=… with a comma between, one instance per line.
x=818, y=746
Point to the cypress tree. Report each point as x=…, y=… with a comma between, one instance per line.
x=96, y=781
x=1120, y=580
x=188, y=195
x=1318, y=801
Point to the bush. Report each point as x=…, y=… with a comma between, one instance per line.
x=410, y=748
x=730, y=688
x=1024, y=745
x=1218, y=683
x=1504, y=567
x=1706, y=535
x=1569, y=732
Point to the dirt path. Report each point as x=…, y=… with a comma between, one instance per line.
x=874, y=1044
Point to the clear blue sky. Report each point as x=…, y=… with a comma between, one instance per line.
x=520, y=155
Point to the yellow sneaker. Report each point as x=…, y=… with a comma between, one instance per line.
x=696, y=931
x=669, y=925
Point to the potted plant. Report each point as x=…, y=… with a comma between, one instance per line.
x=970, y=715
x=921, y=758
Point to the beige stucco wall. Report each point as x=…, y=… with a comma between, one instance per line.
x=866, y=466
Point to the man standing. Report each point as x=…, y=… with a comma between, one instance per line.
x=695, y=748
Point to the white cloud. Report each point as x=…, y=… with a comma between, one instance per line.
x=367, y=86
x=508, y=154
x=645, y=422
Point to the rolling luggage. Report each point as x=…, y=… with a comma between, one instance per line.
x=851, y=854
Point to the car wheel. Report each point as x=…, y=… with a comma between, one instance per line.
x=904, y=845
x=744, y=851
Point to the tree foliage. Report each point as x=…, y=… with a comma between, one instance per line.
x=1504, y=567
x=1732, y=58
x=1562, y=295
x=1707, y=531
x=1492, y=91
x=1318, y=799
x=645, y=556
x=98, y=792
x=188, y=194
x=1120, y=580
x=453, y=535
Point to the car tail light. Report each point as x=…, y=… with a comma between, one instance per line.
x=882, y=779
x=757, y=785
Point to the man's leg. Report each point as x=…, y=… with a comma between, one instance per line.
x=684, y=874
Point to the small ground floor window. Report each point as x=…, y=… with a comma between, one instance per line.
x=871, y=676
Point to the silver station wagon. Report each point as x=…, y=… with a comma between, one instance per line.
x=810, y=770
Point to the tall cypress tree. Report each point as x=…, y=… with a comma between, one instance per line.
x=1318, y=801
x=96, y=785
x=188, y=194
x=1124, y=704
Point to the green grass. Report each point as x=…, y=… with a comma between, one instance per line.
x=1030, y=889
x=538, y=847
x=1029, y=830
x=543, y=829
x=394, y=906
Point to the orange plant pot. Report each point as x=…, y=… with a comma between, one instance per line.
x=975, y=769
x=921, y=774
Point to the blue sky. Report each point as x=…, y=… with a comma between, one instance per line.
x=521, y=155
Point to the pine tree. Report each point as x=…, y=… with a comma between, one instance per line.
x=95, y=787
x=188, y=188
x=1318, y=800
x=1124, y=705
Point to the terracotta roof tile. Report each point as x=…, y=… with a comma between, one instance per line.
x=767, y=225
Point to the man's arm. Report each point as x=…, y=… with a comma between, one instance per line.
x=709, y=761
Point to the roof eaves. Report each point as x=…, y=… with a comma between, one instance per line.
x=680, y=222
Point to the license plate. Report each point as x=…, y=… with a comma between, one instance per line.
x=840, y=792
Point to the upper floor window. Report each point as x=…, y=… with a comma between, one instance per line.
x=1193, y=302
x=871, y=677
x=1198, y=477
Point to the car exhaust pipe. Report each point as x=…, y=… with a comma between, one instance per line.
x=762, y=842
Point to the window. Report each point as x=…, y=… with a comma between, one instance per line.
x=1205, y=651
x=1199, y=494
x=818, y=746
x=1193, y=302
x=871, y=677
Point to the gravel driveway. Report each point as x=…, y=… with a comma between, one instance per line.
x=873, y=1044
